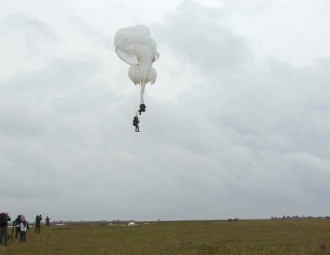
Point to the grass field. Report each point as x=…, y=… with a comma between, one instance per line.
x=250, y=237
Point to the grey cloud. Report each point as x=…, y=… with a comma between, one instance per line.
x=29, y=25
x=267, y=108
x=195, y=34
x=30, y=30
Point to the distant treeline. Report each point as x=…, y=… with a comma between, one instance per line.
x=300, y=217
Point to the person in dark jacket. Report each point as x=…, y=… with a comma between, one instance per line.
x=17, y=224
x=142, y=108
x=47, y=221
x=4, y=218
x=136, y=124
x=38, y=224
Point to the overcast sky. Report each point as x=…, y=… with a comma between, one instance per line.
x=237, y=124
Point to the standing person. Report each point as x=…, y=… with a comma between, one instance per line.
x=47, y=221
x=24, y=229
x=17, y=224
x=38, y=223
x=4, y=218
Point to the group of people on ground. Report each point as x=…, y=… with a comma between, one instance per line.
x=20, y=225
x=136, y=118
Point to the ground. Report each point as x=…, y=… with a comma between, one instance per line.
x=243, y=237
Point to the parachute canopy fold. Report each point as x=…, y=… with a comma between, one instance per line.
x=136, y=47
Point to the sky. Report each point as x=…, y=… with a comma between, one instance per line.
x=237, y=124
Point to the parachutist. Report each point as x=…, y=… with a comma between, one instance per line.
x=142, y=108
x=136, y=123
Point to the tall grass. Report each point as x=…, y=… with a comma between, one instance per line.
x=253, y=237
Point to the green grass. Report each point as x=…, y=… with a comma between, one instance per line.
x=250, y=237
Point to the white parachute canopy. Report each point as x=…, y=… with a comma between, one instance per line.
x=135, y=46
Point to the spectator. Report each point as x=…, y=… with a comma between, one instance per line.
x=17, y=224
x=24, y=229
x=47, y=221
x=38, y=224
x=4, y=218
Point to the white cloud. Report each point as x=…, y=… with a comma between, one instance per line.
x=294, y=31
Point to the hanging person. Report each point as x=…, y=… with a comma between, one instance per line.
x=142, y=108
x=136, y=124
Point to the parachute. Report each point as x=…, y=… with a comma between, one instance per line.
x=136, y=47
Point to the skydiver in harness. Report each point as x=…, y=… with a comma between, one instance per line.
x=136, y=123
x=142, y=108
